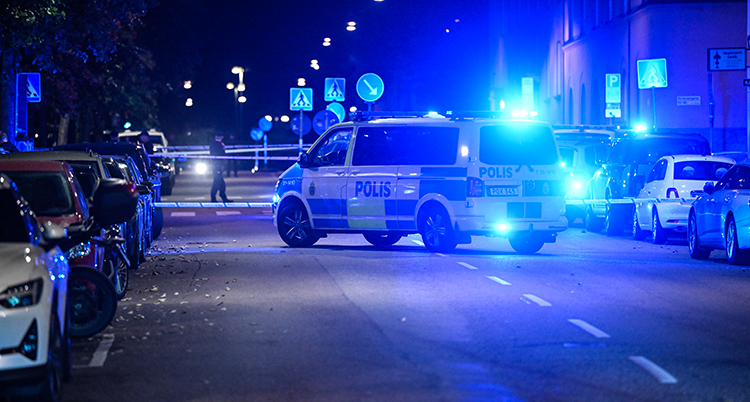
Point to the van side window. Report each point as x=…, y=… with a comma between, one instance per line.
x=332, y=150
x=517, y=145
x=402, y=145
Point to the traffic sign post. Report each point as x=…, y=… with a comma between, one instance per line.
x=652, y=73
x=370, y=88
x=613, y=96
x=300, y=99
x=728, y=59
x=335, y=89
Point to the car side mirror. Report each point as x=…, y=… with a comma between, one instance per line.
x=709, y=188
x=143, y=189
x=115, y=201
x=303, y=160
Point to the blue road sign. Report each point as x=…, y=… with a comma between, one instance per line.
x=300, y=99
x=338, y=109
x=652, y=73
x=370, y=87
x=265, y=124
x=257, y=134
x=335, y=89
x=295, y=125
x=323, y=120
x=33, y=84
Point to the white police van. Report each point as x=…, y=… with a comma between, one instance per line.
x=445, y=178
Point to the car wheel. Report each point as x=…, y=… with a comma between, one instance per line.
x=592, y=222
x=294, y=226
x=525, y=243
x=436, y=230
x=382, y=239
x=52, y=387
x=694, y=245
x=612, y=225
x=658, y=233
x=638, y=233
x=735, y=255
x=122, y=272
x=91, y=301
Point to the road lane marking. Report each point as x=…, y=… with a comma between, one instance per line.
x=228, y=213
x=498, y=280
x=467, y=265
x=100, y=356
x=652, y=368
x=589, y=328
x=182, y=214
x=537, y=300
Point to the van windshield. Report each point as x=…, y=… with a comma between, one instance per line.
x=517, y=145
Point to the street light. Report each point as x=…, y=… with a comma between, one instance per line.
x=239, y=97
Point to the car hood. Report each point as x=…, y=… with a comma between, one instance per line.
x=15, y=268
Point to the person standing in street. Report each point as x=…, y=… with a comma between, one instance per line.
x=219, y=186
x=145, y=140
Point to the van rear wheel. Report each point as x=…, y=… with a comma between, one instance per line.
x=436, y=230
x=382, y=239
x=526, y=243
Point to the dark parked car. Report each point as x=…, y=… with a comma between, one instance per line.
x=623, y=174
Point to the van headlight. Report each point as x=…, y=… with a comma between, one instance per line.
x=79, y=250
x=23, y=295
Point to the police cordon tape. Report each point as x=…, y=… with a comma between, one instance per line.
x=682, y=201
x=213, y=204
x=270, y=158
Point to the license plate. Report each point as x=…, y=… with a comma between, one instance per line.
x=502, y=191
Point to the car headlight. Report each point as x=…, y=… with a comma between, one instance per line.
x=79, y=250
x=23, y=295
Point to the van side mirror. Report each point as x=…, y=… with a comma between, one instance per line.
x=303, y=160
x=115, y=201
x=709, y=188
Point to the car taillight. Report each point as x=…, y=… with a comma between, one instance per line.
x=672, y=191
x=474, y=187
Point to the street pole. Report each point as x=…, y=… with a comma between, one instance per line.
x=653, y=101
x=301, y=117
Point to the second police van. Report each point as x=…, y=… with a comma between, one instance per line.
x=445, y=178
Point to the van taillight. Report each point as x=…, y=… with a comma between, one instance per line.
x=672, y=191
x=474, y=187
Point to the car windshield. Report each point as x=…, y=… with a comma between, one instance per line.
x=517, y=145
x=48, y=193
x=700, y=170
x=647, y=151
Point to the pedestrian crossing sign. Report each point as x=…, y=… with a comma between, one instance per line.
x=335, y=89
x=652, y=73
x=300, y=99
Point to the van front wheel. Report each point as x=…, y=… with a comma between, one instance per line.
x=437, y=233
x=295, y=228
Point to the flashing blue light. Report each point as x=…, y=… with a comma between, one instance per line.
x=639, y=128
x=502, y=227
x=127, y=125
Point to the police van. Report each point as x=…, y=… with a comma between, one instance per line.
x=446, y=178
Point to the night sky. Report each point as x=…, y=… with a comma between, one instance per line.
x=405, y=42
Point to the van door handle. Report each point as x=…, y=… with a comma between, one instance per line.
x=354, y=171
x=340, y=172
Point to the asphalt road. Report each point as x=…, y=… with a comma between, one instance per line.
x=224, y=311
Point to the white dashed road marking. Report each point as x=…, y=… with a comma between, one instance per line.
x=652, y=368
x=228, y=213
x=537, y=300
x=182, y=214
x=467, y=265
x=498, y=280
x=589, y=328
x=100, y=356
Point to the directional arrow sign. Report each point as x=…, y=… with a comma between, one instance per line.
x=370, y=87
x=652, y=73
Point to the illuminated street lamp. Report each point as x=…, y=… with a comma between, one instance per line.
x=239, y=96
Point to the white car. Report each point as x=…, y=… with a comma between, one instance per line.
x=34, y=345
x=673, y=183
x=720, y=217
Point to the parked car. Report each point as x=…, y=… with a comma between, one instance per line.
x=580, y=149
x=720, y=217
x=622, y=174
x=34, y=344
x=142, y=162
x=672, y=185
x=165, y=165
